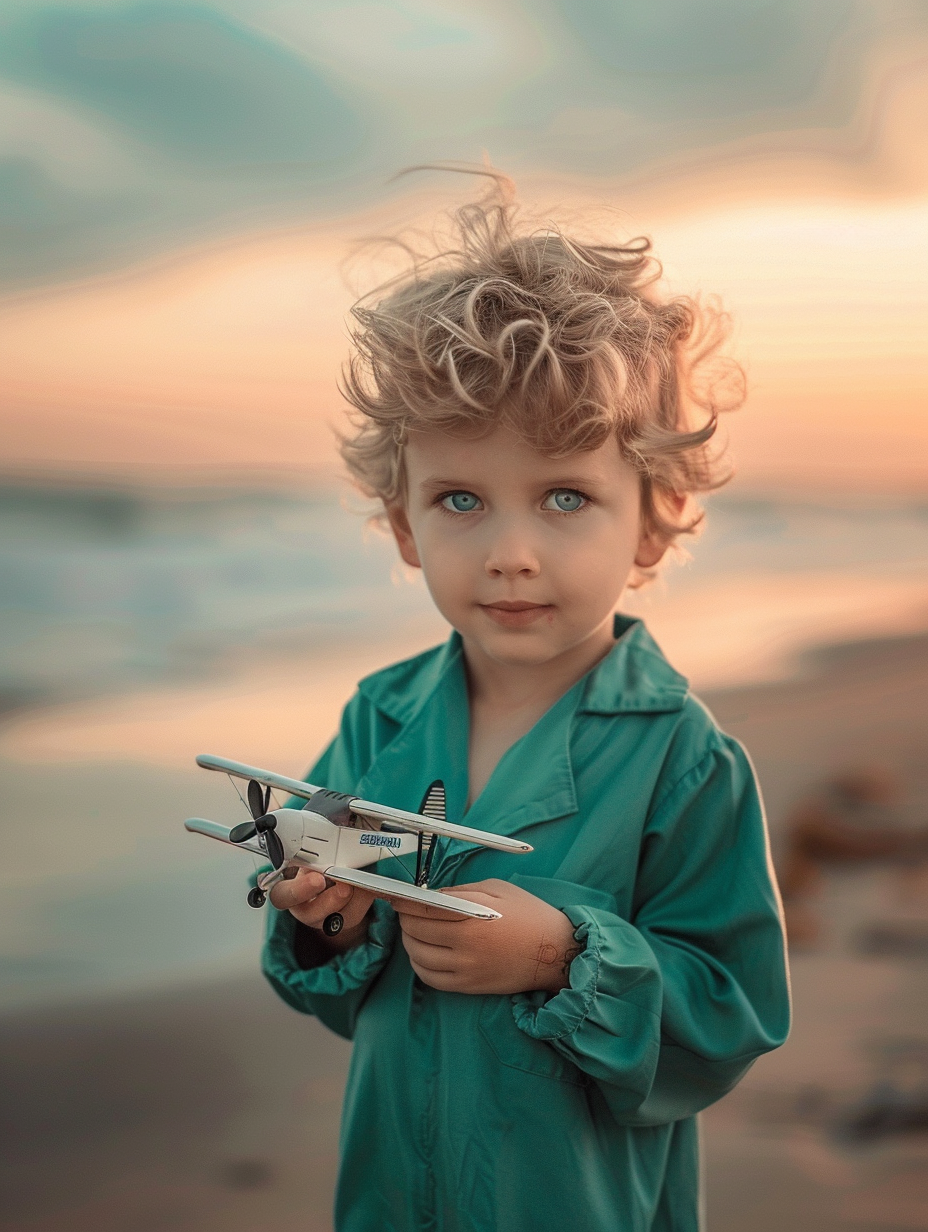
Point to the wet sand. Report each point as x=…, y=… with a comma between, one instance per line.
x=214, y=1106
x=778, y=1151
x=206, y=1108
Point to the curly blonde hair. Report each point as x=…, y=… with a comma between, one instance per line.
x=563, y=342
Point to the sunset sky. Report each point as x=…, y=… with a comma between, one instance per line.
x=182, y=184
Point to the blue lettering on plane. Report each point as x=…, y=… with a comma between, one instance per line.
x=380, y=840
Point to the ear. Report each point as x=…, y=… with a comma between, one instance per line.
x=652, y=545
x=402, y=533
x=651, y=549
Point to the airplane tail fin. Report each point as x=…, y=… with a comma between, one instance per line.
x=433, y=806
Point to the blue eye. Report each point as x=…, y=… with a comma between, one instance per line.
x=565, y=500
x=461, y=502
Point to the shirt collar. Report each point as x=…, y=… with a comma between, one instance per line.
x=633, y=678
x=401, y=690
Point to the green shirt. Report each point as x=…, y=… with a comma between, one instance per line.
x=575, y=1111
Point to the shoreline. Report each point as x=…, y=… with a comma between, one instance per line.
x=116, y=593
x=146, y=723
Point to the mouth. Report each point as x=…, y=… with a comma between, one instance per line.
x=516, y=613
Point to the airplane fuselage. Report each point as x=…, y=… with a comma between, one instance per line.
x=312, y=841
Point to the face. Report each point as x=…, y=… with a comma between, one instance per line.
x=525, y=555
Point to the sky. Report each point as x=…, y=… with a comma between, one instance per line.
x=181, y=183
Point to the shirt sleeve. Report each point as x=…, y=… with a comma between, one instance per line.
x=667, y=1012
x=335, y=990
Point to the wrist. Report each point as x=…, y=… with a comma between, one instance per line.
x=555, y=955
x=558, y=974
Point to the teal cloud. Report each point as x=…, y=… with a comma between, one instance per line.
x=187, y=80
x=636, y=83
x=768, y=47
x=47, y=227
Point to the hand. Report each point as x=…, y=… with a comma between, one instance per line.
x=531, y=947
x=306, y=897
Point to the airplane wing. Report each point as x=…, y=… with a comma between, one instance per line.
x=389, y=887
x=366, y=808
x=212, y=829
x=266, y=777
x=430, y=825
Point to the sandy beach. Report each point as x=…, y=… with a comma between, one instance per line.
x=211, y=1105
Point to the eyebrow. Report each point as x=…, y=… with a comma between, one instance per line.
x=587, y=481
x=437, y=484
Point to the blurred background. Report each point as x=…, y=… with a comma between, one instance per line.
x=183, y=569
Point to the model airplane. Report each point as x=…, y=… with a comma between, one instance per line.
x=340, y=836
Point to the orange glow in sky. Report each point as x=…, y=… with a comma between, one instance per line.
x=226, y=360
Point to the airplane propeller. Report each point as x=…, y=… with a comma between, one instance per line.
x=261, y=823
x=258, y=800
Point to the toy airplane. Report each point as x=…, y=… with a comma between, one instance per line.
x=340, y=836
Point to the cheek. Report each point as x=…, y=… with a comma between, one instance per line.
x=598, y=560
x=446, y=561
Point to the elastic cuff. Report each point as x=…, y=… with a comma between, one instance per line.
x=562, y=1014
x=342, y=972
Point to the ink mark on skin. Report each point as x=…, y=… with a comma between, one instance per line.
x=569, y=956
x=548, y=955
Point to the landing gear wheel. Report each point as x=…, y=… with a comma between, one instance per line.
x=333, y=924
x=256, y=897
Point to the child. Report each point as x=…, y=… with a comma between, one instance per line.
x=524, y=416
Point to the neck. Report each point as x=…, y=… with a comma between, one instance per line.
x=503, y=687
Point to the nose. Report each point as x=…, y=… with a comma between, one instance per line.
x=511, y=554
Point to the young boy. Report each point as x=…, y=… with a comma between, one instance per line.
x=525, y=407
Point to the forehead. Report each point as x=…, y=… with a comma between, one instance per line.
x=503, y=455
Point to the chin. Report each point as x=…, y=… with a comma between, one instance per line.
x=524, y=648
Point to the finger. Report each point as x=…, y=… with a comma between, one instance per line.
x=434, y=932
x=409, y=907
x=428, y=957
x=473, y=895
x=425, y=911
x=335, y=898
x=493, y=887
x=444, y=981
x=295, y=891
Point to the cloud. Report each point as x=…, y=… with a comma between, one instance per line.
x=46, y=222
x=71, y=149
x=767, y=48
x=188, y=81
x=384, y=43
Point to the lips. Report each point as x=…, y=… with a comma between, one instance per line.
x=516, y=613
